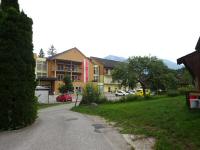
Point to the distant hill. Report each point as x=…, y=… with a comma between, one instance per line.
x=168, y=63
x=171, y=64
x=116, y=58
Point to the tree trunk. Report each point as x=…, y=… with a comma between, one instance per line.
x=144, y=91
x=143, y=88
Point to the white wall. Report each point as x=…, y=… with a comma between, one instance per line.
x=42, y=96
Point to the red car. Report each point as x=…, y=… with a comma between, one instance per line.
x=64, y=98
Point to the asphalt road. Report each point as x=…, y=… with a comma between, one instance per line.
x=58, y=128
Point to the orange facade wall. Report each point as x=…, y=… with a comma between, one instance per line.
x=51, y=68
x=73, y=55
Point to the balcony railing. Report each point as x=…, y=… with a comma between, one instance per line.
x=62, y=70
x=76, y=70
x=69, y=70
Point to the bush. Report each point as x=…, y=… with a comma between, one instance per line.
x=173, y=93
x=132, y=98
x=102, y=100
x=90, y=94
x=122, y=99
x=184, y=90
x=129, y=98
x=148, y=97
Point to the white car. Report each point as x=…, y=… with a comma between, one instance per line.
x=120, y=93
x=131, y=92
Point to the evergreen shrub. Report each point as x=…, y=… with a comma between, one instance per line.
x=18, y=106
x=67, y=86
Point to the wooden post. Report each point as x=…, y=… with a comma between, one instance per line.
x=48, y=96
x=76, y=99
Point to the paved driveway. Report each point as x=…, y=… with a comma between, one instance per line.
x=57, y=128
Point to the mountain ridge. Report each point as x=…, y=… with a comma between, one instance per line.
x=170, y=64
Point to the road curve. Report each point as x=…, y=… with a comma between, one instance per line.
x=58, y=128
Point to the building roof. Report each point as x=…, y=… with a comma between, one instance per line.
x=191, y=62
x=54, y=56
x=198, y=45
x=106, y=62
x=188, y=56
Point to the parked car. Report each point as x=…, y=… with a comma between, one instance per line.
x=139, y=92
x=120, y=93
x=130, y=92
x=127, y=92
x=64, y=98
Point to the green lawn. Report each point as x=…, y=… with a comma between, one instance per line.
x=167, y=119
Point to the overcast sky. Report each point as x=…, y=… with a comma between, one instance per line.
x=164, y=28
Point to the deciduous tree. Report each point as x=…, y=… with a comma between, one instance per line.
x=122, y=74
x=150, y=72
x=51, y=51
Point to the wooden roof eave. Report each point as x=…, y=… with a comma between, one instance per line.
x=181, y=60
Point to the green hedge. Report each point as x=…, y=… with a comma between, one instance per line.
x=172, y=93
x=184, y=90
x=18, y=107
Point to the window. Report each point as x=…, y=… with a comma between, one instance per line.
x=108, y=71
x=60, y=67
x=60, y=77
x=75, y=68
x=96, y=70
x=41, y=65
x=75, y=78
x=96, y=78
x=68, y=67
x=96, y=73
x=39, y=74
x=44, y=66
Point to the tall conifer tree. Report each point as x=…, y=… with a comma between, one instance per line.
x=18, y=106
x=41, y=53
x=5, y=4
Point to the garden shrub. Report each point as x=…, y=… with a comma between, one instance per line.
x=172, y=93
x=90, y=94
x=67, y=86
x=129, y=98
x=122, y=99
x=102, y=100
x=148, y=97
x=184, y=90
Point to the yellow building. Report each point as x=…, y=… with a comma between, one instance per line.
x=105, y=81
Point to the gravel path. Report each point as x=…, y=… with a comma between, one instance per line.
x=58, y=128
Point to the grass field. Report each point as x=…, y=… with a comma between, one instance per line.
x=167, y=119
